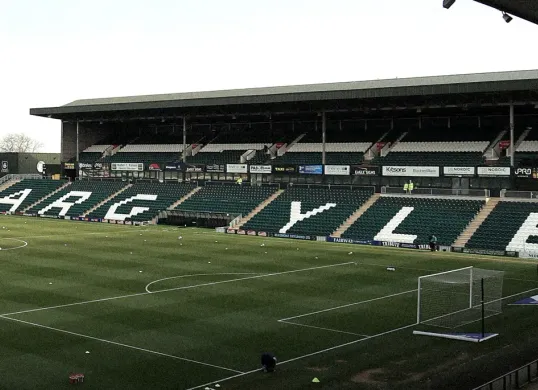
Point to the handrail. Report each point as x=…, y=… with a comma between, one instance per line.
x=515, y=379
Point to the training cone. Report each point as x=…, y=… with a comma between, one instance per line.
x=315, y=380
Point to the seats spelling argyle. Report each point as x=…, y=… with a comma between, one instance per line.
x=31, y=190
x=502, y=224
x=445, y=218
x=318, y=211
x=84, y=194
x=142, y=201
x=231, y=198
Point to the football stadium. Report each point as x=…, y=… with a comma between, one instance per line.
x=373, y=234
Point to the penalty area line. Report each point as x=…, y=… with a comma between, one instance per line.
x=308, y=355
x=120, y=344
x=174, y=289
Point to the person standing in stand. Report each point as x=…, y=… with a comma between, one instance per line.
x=433, y=243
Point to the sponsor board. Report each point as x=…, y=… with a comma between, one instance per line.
x=82, y=165
x=230, y=231
x=260, y=168
x=340, y=240
x=154, y=167
x=215, y=168
x=488, y=252
x=294, y=236
x=528, y=255
x=262, y=234
x=284, y=169
x=493, y=171
x=5, y=167
x=69, y=165
x=127, y=166
x=172, y=166
x=241, y=231
x=251, y=233
x=236, y=168
x=311, y=169
x=363, y=170
x=193, y=168
x=458, y=171
x=337, y=170
x=411, y=171
x=526, y=173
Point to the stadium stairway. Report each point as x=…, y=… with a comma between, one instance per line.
x=466, y=235
x=259, y=208
x=112, y=196
x=8, y=184
x=184, y=198
x=355, y=216
x=412, y=219
x=46, y=196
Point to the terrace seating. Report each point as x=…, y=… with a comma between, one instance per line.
x=498, y=230
x=445, y=218
x=31, y=190
x=316, y=211
x=227, y=198
x=98, y=192
x=142, y=201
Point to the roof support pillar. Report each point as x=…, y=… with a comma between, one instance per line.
x=512, y=125
x=77, y=142
x=184, y=155
x=323, y=136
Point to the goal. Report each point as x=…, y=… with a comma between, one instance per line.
x=454, y=298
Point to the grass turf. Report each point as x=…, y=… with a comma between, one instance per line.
x=214, y=309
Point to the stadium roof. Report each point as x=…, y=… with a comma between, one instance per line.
x=524, y=9
x=498, y=82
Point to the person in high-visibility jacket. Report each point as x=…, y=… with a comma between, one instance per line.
x=411, y=186
x=406, y=187
x=239, y=181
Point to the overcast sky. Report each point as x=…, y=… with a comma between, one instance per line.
x=57, y=51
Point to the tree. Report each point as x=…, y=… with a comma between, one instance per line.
x=19, y=143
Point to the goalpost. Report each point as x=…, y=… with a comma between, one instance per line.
x=455, y=298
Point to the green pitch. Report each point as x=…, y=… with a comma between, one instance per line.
x=74, y=298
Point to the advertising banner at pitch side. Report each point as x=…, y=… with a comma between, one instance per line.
x=410, y=171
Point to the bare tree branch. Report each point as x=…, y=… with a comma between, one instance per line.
x=19, y=143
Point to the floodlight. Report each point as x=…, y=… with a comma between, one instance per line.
x=507, y=18
x=448, y=3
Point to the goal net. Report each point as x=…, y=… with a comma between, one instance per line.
x=454, y=298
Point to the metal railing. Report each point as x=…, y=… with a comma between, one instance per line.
x=519, y=194
x=437, y=191
x=515, y=379
x=13, y=176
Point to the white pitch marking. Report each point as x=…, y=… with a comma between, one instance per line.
x=307, y=355
x=17, y=247
x=190, y=275
x=173, y=289
x=347, y=305
x=320, y=328
x=119, y=344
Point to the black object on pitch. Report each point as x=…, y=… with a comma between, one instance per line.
x=268, y=362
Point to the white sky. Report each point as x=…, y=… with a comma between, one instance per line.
x=56, y=51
